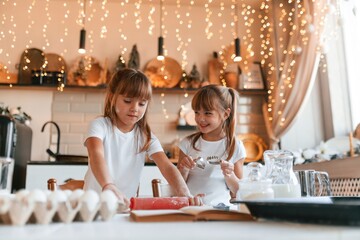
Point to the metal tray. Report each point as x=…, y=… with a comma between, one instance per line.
x=321, y=210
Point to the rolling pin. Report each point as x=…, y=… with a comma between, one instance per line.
x=158, y=203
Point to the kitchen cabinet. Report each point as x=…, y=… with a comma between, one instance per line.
x=38, y=172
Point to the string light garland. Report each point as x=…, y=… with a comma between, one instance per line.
x=255, y=23
x=104, y=30
x=293, y=16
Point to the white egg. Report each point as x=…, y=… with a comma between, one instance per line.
x=47, y=192
x=68, y=192
x=91, y=199
x=57, y=196
x=5, y=201
x=37, y=195
x=110, y=199
x=76, y=195
x=21, y=194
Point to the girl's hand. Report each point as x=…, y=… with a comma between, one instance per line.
x=124, y=202
x=227, y=168
x=186, y=162
x=197, y=200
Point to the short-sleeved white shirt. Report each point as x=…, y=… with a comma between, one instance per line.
x=210, y=180
x=122, y=156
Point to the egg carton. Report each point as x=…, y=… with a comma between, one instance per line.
x=44, y=207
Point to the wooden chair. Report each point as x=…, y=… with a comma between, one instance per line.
x=70, y=184
x=160, y=189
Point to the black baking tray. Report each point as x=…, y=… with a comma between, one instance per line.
x=320, y=210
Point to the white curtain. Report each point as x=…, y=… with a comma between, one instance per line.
x=296, y=64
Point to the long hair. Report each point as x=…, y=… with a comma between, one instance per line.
x=133, y=84
x=217, y=98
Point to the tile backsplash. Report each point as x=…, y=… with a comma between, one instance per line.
x=73, y=111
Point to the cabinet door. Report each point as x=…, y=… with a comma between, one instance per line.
x=37, y=175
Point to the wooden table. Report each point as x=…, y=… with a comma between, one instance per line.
x=121, y=227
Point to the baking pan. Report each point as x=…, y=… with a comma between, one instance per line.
x=320, y=210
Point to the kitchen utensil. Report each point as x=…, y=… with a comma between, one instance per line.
x=31, y=59
x=87, y=71
x=320, y=210
x=158, y=203
x=200, y=162
x=55, y=63
x=309, y=179
x=213, y=160
x=163, y=74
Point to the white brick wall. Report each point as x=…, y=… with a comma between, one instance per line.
x=73, y=110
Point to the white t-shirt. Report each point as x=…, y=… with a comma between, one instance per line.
x=210, y=180
x=122, y=156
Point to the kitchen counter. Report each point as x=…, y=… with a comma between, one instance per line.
x=342, y=168
x=56, y=163
x=35, y=162
x=121, y=227
x=38, y=172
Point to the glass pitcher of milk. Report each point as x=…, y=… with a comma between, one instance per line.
x=279, y=169
x=254, y=186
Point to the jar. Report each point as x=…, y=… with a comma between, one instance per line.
x=254, y=186
x=255, y=190
x=279, y=169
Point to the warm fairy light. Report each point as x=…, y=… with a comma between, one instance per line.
x=151, y=20
x=209, y=24
x=137, y=14
x=64, y=23
x=256, y=24
x=163, y=107
x=293, y=17
x=104, y=30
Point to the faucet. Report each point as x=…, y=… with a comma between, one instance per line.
x=58, y=138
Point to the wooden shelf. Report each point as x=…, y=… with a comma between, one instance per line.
x=47, y=87
x=186, y=127
x=252, y=92
x=73, y=87
x=175, y=90
x=337, y=168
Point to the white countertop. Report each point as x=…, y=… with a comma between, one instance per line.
x=121, y=227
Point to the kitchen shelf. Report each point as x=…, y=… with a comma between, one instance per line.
x=252, y=92
x=84, y=88
x=175, y=90
x=186, y=127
